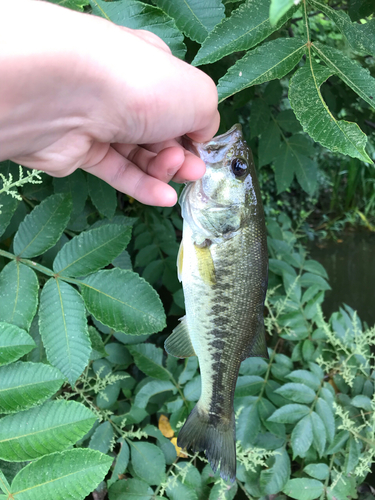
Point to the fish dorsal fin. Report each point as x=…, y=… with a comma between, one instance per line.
x=178, y=344
x=206, y=266
x=180, y=258
x=258, y=348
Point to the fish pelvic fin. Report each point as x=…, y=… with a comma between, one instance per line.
x=178, y=344
x=217, y=439
x=206, y=265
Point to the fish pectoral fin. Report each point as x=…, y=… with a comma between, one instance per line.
x=180, y=258
x=178, y=344
x=206, y=266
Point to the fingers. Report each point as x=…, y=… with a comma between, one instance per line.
x=126, y=177
x=171, y=162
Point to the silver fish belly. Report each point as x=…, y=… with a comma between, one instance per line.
x=223, y=266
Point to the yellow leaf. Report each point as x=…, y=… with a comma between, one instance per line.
x=179, y=451
x=165, y=427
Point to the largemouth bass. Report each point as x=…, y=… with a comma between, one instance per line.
x=223, y=266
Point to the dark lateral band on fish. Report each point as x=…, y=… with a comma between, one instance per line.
x=223, y=266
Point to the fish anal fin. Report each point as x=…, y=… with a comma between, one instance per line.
x=180, y=258
x=178, y=344
x=206, y=266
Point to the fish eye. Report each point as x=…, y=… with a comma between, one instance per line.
x=238, y=167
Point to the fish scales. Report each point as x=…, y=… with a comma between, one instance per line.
x=223, y=266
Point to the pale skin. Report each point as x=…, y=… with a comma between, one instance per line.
x=77, y=91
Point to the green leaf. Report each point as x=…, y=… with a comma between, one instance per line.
x=248, y=385
x=147, y=255
x=308, y=279
x=317, y=471
x=19, y=294
x=102, y=438
x=74, y=185
x=360, y=36
x=259, y=118
x=273, y=479
x=284, y=165
x=23, y=385
x=350, y=72
x=194, y=17
x=97, y=345
x=305, y=377
x=118, y=354
x=130, y=489
x=315, y=117
x=269, y=61
x=269, y=145
x=123, y=301
x=191, y=367
x=52, y=427
x=338, y=442
x=293, y=159
x=72, y=473
x=300, y=393
x=14, y=343
x=287, y=120
x=363, y=402
x=289, y=414
x=315, y=267
x=150, y=389
x=102, y=195
x=148, y=462
x=121, y=464
x=92, y=250
x=353, y=452
x=226, y=492
x=326, y=414
x=279, y=8
x=138, y=15
x=304, y=489
x=63, y=327
x=302, y=437
x=42, y=227
x=8, y=206
x=248, y=425
x=71, y=4
x=343, y=487
x=123, y=261
x=319, y=433
x=246, y=27
x=149, y=359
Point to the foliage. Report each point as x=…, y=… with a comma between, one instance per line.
x=88, y=398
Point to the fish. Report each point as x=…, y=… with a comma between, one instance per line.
x=223, y=266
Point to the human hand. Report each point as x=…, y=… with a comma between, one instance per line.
x=106, y=99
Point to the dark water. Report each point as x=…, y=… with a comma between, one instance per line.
x=350, y=264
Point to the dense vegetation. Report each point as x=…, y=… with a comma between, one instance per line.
x=89, y=401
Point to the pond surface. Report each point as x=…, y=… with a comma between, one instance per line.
x=350, y=264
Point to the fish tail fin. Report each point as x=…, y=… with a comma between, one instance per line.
x=216, y=438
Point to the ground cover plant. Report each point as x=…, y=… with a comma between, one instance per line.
x=90, y=404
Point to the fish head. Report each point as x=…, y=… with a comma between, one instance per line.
x=217, y=204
